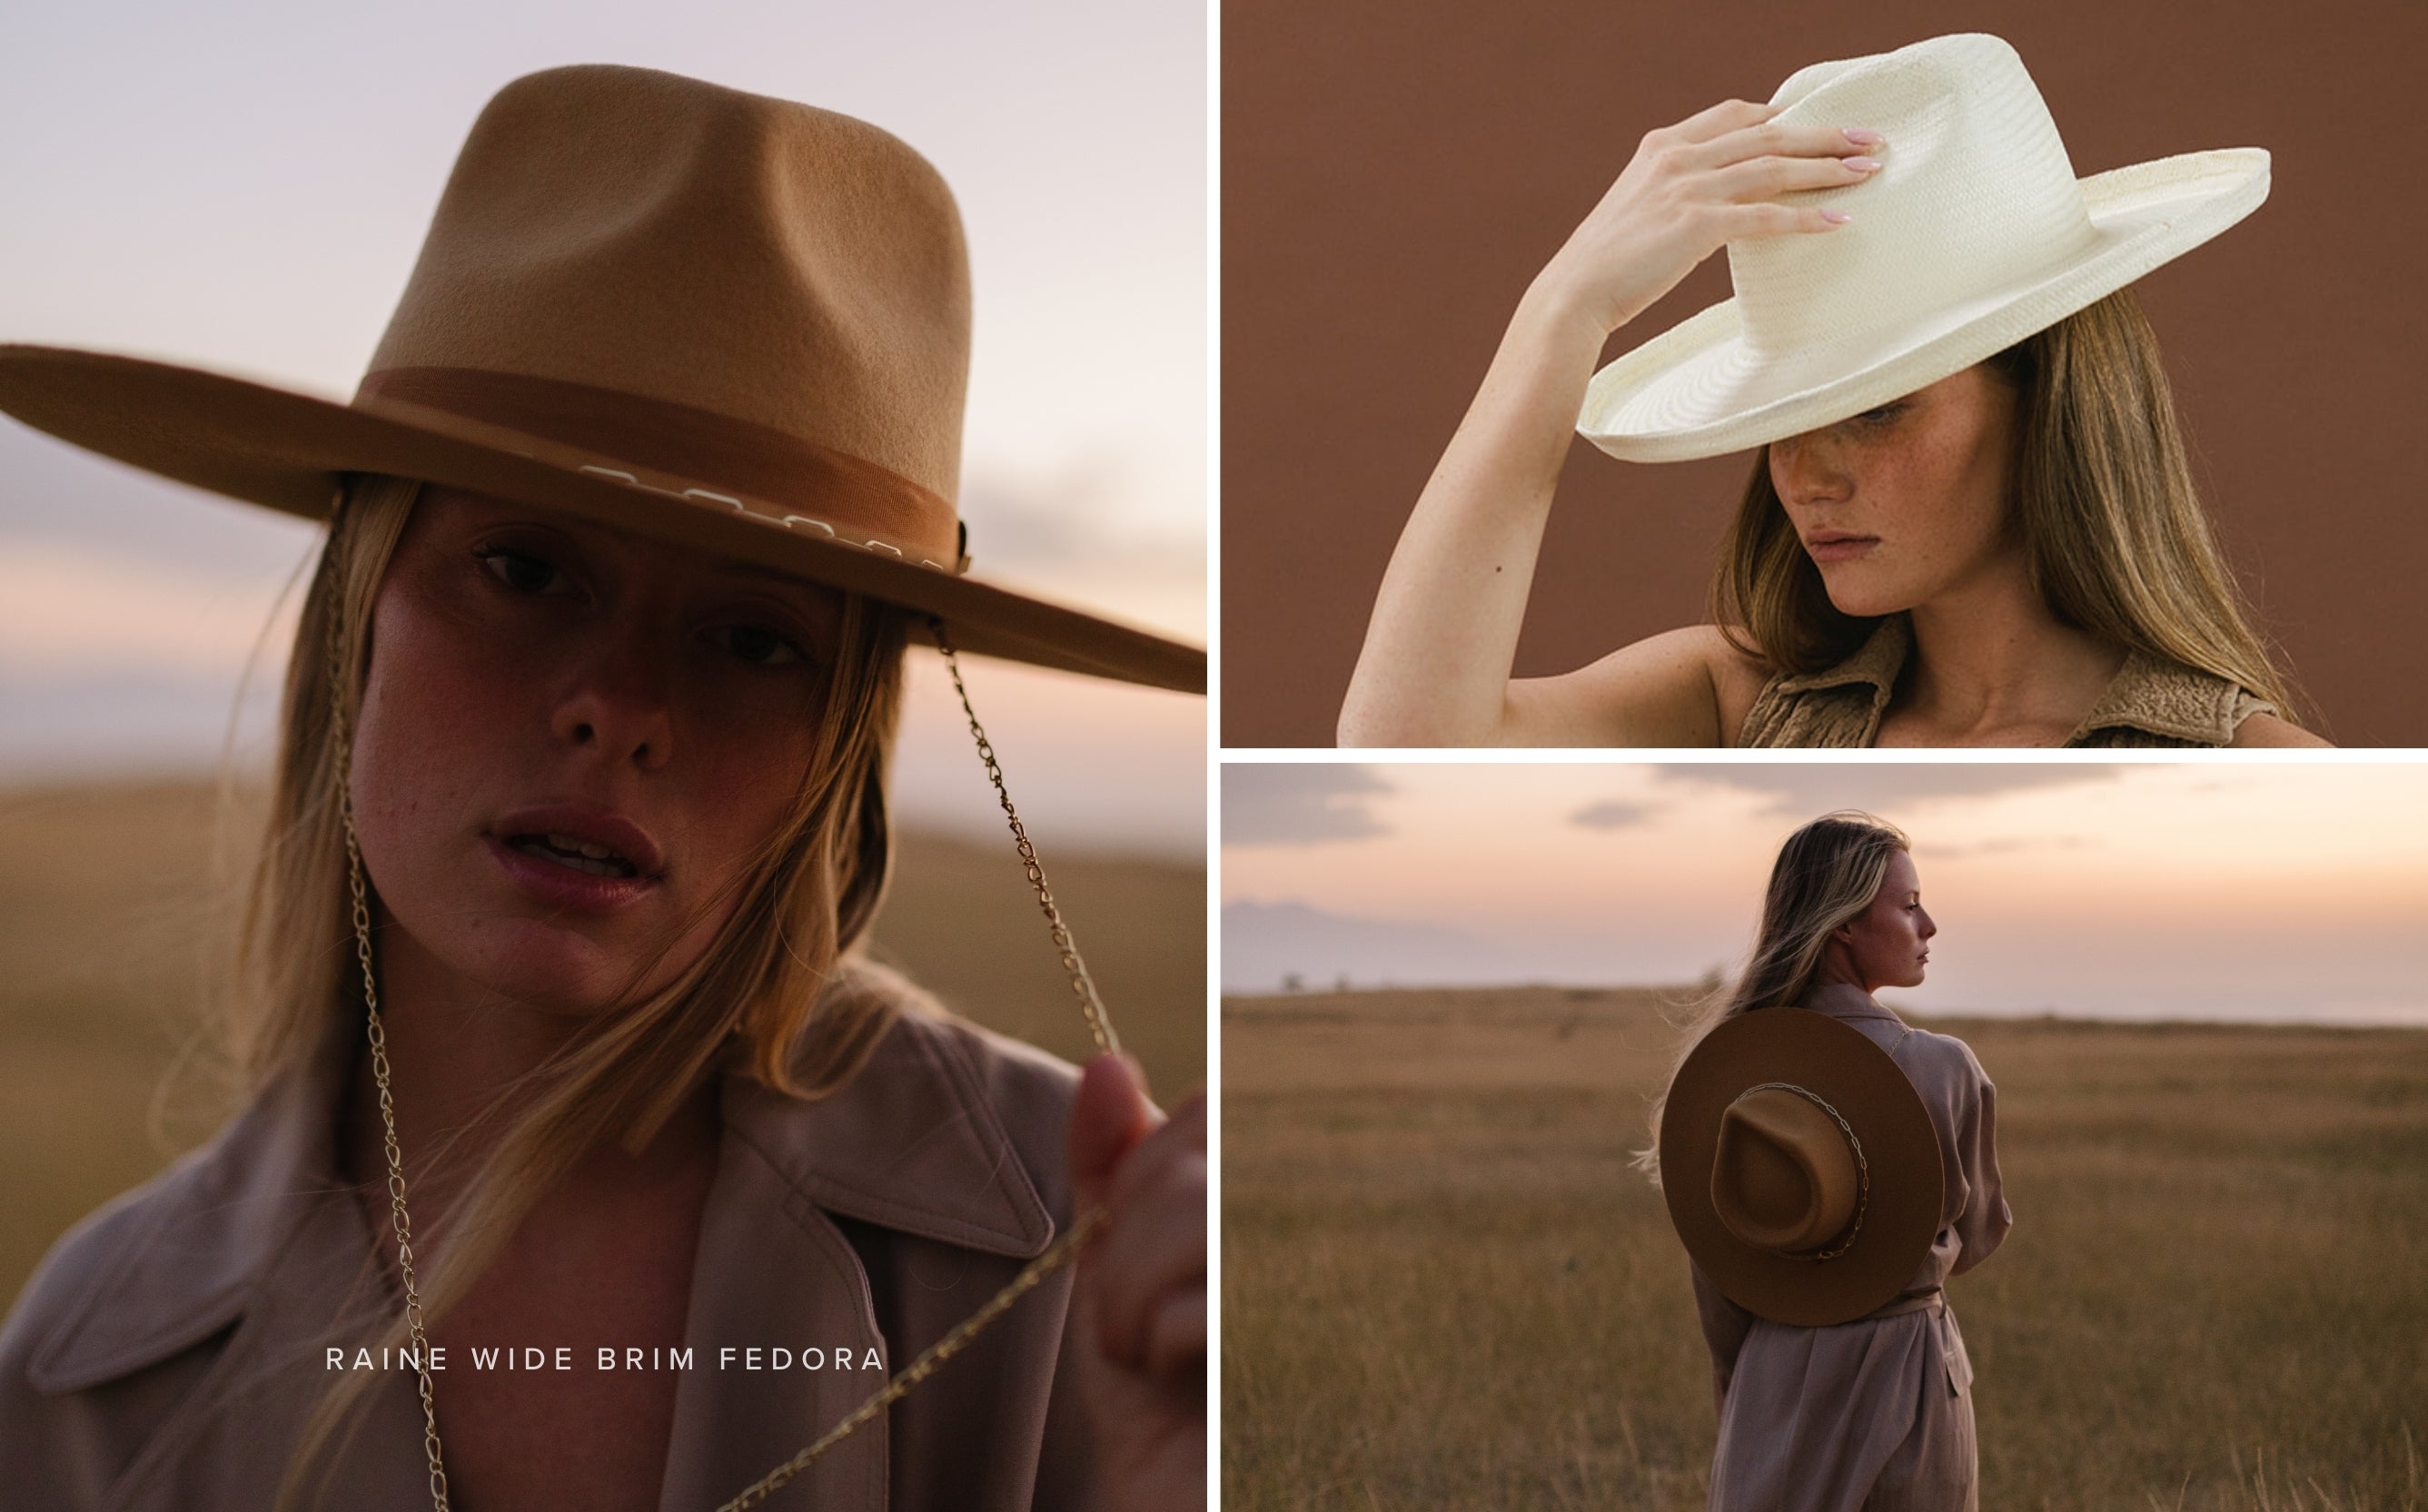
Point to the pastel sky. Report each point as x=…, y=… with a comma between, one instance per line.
x=2231, y=890
x=244, y=187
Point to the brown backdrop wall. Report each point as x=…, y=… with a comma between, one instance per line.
x=1395, y=171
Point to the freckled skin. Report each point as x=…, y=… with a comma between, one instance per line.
x=571, y=662
x=1888, y=944
x=1928, y=475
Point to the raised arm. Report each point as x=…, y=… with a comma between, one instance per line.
x=1435, y=669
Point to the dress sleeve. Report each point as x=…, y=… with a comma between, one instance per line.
x=1725, y=1327
x=1984, y=1224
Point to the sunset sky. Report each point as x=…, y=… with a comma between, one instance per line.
x=2227, y=890
x=244, y=187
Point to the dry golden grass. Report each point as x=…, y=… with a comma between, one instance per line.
x=111, y=906
x=1443, y=1288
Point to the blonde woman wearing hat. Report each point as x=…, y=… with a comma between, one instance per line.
x=558, y=1042
x=1969, y=521
x=1828, y=1168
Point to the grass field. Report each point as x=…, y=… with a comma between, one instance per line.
x=111, y=903
x=1442, y=1287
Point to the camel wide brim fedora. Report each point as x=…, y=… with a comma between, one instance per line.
x=1727, y=1132
x=713, y=317
x=1972, y=234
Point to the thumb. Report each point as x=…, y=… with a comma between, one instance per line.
x=1109, y=1115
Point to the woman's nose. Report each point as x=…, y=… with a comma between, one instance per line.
x=621, y=702
x=1807, y=469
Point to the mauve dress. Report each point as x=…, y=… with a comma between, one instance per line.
x=1876, y=1414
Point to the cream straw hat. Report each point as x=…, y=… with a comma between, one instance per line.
x=1974, y=234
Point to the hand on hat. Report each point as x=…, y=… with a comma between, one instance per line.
x=1435, y=666
x=1690, y=189
x=1141, y=1297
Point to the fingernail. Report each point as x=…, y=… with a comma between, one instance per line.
x=1862, y=164
x=1836, y=218
x=1861, y=137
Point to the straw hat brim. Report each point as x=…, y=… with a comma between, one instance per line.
x=1838, y=1063
x=286, y=451
x=1698, y=390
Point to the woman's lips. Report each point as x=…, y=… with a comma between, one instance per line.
x=560, y=885
x=1837, y=546
x=578, y=857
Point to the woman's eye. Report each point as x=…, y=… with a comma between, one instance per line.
x=1884, y=413
x=520, y=570
x=760, y=646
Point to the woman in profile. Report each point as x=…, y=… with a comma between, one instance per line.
x=558, y=1040
x=1970, y=519
x=1875, y=1409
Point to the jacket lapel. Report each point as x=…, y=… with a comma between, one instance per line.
x=260, y=1242
x=910, y=1144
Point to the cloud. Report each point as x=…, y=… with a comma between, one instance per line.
x=1085, y=514
x=1810, y=789
x=2000, y=847
x=1294, y=805
x=1613, y=814
x=70, y=609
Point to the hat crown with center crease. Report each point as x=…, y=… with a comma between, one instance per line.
x=1783, y=1176
x=1973, y=233
x=677, y=243
x=1973, y=191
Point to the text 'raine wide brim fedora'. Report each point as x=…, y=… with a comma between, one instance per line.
x=1972, y=234
x=1800, y=1167
x=711, y=316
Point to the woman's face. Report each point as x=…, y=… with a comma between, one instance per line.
x=1904, y=503
x=570, y=739
x=1888, y=944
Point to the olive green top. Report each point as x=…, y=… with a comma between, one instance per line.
x=2151, y=702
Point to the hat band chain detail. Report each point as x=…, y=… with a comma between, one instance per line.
x=1084, y=1229
x=1862, y=1170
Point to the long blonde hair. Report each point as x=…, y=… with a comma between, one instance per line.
x=2110, y=520
x=1827, y=874
x=774, y=988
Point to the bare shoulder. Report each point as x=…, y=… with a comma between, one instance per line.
x=2262, y=731
x=1687, y=687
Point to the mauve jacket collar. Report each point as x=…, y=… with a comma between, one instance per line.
x=1847, y=1003
x=261, y=1237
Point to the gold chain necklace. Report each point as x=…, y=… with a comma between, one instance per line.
x=1084, y=1229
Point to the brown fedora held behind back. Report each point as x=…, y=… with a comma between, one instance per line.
x=724, y=319
x=1800, y=1167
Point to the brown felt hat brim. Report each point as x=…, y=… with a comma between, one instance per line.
x=286, y=450
x=1900, y=1148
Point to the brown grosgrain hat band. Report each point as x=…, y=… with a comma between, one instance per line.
x=289, y=451
x=577, y=424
